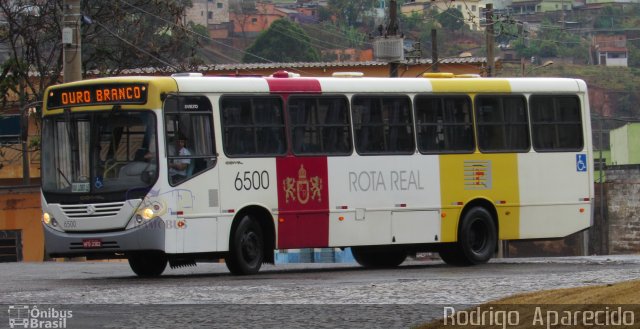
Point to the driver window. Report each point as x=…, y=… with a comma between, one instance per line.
x=188, y=137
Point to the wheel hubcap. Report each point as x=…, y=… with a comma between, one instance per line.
x=250, y=246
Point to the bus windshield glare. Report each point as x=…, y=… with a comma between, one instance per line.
x=99, y=152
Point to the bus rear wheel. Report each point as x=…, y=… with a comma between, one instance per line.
x=246, y=248
x=477, y=239
x=148, y=264
x=378, y=258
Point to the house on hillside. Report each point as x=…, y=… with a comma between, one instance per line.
x=213, y=14
x=610, y=50
x=205, y=12
x=251, y=22
x=542, y=6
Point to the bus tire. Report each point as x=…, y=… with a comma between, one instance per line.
x=378, y=258
x=148, y=264
x=477, y=239
x=246, y=248
x=451, y=255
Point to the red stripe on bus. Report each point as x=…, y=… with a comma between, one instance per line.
x=303, y=201
x=294, y=85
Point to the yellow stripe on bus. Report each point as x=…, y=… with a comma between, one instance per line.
x=470, y=85
x=468, y=177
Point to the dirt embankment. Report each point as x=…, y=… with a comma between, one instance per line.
x=609, y=306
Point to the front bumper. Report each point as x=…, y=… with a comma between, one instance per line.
x=149, y=236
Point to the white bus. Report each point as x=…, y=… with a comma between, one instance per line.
x=189, y=168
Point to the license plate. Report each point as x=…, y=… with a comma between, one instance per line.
x=91, y=243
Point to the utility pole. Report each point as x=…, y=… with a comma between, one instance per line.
x=489, y=33
x=72, y=58
x=392, y=30
x=388, y=46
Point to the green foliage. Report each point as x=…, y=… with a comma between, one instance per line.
x=284, y=41
x=553, y=41
x=201, y=32
x=324, y=14
x=138, y=33
x=506, y=31
x=331, y=36
x=418, y=26
x=634, y=54
x=610, y=18
x=351, y=12
x=31, y=34
x=451, y=19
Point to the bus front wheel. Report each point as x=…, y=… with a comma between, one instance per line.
x=246, y=248
x=477, y=239
x=378, y=258
x=148, y=264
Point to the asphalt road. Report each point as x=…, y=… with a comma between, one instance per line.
x=108, y=295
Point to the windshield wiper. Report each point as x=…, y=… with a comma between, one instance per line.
x=63, y=176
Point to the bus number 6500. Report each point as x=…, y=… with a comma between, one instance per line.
x=252, y=180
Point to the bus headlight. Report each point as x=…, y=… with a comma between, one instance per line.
x=147, y=214
x=46, y=218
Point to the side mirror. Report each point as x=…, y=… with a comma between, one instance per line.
x=148, y=176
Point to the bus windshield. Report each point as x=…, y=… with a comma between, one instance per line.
x=99, y=152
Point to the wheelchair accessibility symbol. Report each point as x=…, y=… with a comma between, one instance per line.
x=581, y=162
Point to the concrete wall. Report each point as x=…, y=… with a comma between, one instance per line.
x=625, y=144
x=622, y=191
x=20, y=210
x=618, y=144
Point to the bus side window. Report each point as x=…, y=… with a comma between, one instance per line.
x=444, y=124
x=383, y=125
x=502, y=123
x=252, y=126
x=556, y=123
x=319, y=125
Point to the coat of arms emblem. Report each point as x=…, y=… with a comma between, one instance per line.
x=302, y=188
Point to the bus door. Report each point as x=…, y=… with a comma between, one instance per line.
x=192, y=173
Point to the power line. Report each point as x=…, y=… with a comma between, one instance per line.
x=194, y=32
x=206, y=37
x=136, y=47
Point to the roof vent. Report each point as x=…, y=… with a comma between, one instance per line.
x=438, y=75
x=285, y=74
x=468, y=75
x=186, y=74
x=347, y=74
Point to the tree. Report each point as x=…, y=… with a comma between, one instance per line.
x=31, y=34
x=243, y=11
x=451, y=19
x=351, y=12
x=138, y=33
x=121, y=35
x=609, y=18
x=283, y=41
x=552, y=41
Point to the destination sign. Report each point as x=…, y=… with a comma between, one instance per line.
x=119, y=93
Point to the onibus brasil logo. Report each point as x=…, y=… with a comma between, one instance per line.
x=23, y=316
